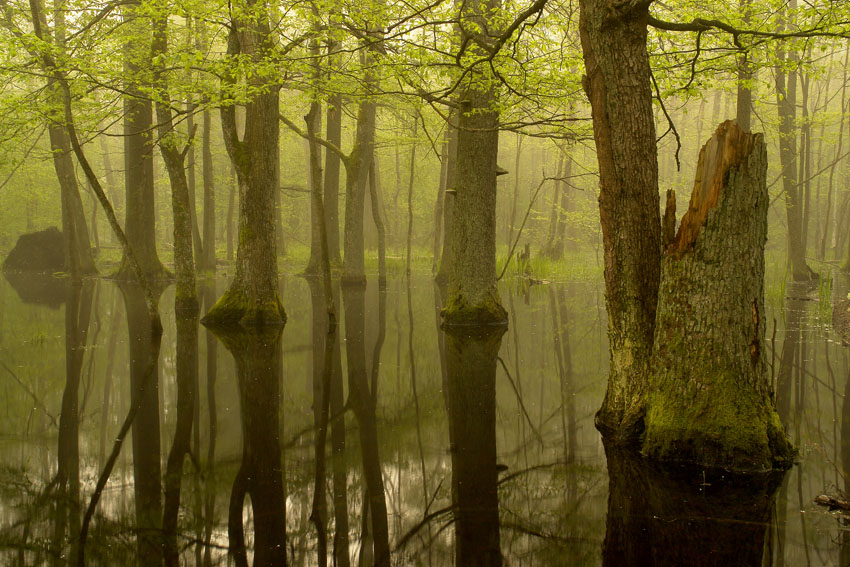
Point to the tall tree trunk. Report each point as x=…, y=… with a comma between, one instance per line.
x=186, y=293
x=333, y=129
x=191, y=177
x=231, y=209
x=710, y=399
x=78, y=254
x=745, y=77
x=252, y=298
x=55, y=73
x=353, y=264
x=410, y=197
x=140, y=209
x=380, y=227
x=473, y=295
x=333, y=134
x=557, y=185
x=786, y=98
x=836, y=160
x=613, y=38
x=209, y=259
x=510, y=228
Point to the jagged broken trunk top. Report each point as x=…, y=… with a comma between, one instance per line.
x=710, y=401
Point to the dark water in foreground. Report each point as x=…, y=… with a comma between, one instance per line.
x=433, y=449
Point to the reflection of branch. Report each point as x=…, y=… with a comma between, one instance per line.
x=519, y=399
x=39, y=404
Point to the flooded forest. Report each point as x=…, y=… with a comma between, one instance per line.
x=438, y=283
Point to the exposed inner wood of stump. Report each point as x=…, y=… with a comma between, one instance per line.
x=728, y=147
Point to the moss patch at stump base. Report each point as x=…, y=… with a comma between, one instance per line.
x=728, y=426
x=460, y=312
x=235, y=308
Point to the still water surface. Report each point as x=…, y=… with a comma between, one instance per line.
x=416, y=448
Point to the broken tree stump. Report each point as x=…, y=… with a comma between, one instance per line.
x=710, y=402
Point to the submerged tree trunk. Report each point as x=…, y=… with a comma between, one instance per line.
x=252, y=298
x=710, y=401
x=473, y=295
x=613, y=38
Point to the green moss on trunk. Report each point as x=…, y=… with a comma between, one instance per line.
x=460, y=311
x=734, y=427
x=236, y=308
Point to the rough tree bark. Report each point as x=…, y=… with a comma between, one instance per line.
x=613, y=38
x=473, y=295
x=710, y=400
x=252, y=298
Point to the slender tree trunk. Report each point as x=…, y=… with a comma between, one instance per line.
x=314, y=262
x=556, y=197
x=380, y=227
x=786, y=98
x=140, y=207
x=745, y=77
x=333, y=134
x=613, y=38
x=710, y=399
x=448, y=201
x=78, y=254
x=438, y=209
x=186, y=293
x=836, y=160
x=231, y=208
x=410, y=197
x=510, y=232
x=353, y=264
x=209, y=258
x=190, y=180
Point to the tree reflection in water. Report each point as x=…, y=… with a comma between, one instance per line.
x=260, y=475
x=471, y=363
x=661, y=517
